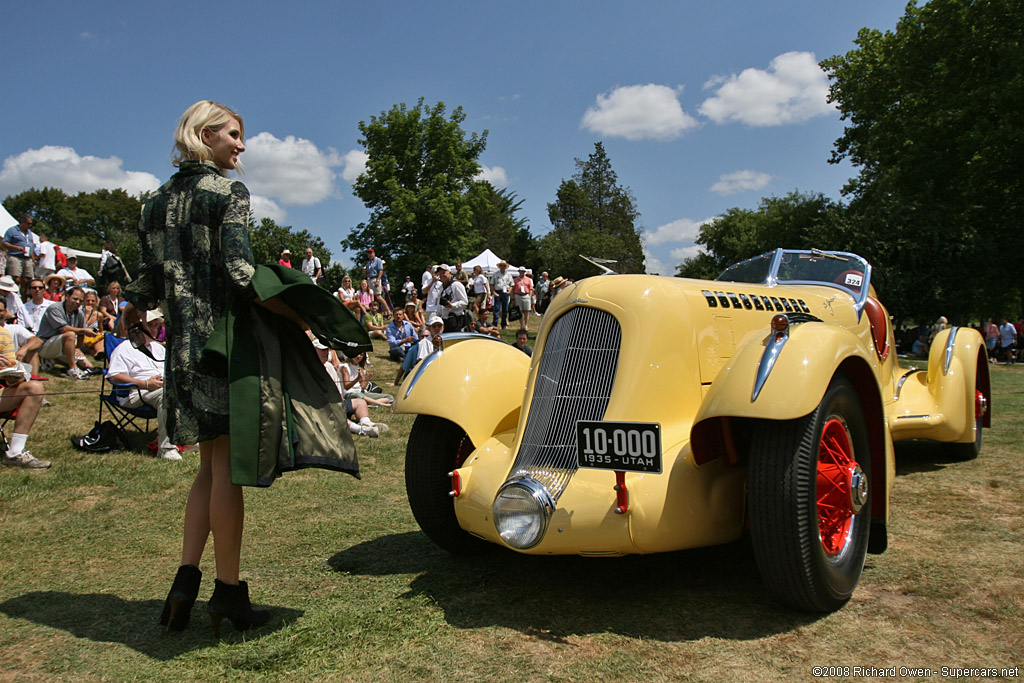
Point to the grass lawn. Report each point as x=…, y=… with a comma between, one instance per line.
x=88, y=550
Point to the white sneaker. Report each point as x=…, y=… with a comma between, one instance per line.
x=381, y=427
x=27, y=460
x=369, y=430
x=169, y=454
x=77, y=373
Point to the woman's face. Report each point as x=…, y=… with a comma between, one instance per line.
x=347, y=283
x=91, y=300
x=114, y=289
x=226, y=144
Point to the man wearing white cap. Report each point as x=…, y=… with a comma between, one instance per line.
x=144, y=370
x=454, y=301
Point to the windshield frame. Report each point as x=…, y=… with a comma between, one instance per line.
x=778, y=256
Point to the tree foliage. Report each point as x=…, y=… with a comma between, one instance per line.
x=935, y=113
x=269, y=239
x=498, y=227
x=592, y=215
x=796, y=221
x=419, y=171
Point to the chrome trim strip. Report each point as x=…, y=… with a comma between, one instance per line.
x=949, y=350
x=460, y=336
x=899, y=384
x=424, y=364
x=914, y=417
x=776, y=340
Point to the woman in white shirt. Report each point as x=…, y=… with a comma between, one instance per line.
x=481, y=289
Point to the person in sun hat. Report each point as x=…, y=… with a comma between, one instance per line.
x=286, y=259
x=54, y=287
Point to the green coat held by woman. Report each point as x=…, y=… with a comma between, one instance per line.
x=286, y=412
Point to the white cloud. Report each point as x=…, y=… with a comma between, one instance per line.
x=292, y=170
x=64, y=168
x=683, y=253
x=740, y=181
x=654, y=265
x=792, y=90
x=679, y=230
x=263, y=207
x=639, y=112
x=353, y=165
x=495, y=175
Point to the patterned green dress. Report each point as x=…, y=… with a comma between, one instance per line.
x=195, y=256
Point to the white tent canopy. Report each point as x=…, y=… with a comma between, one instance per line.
x=488, y=261
x=6, y=220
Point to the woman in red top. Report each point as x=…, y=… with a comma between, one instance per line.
x=54, y=288
x=522, y=288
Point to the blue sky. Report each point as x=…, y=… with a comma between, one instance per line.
x=701, y=106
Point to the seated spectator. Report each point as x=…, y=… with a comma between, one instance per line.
x=435, y=326
x=401, y=335
x=54, y=287
x=354, y=407
x=76, y=276
x=414, y=313
x=110, y=306
x=920, y=347
x=37, y=303
x=355, y=382
x=347, y=294
x=23, y=394
x=521, y=339
x=374, y=322
x=59, y=331
x=92, y=344
x=130, y=365
x=481, y=324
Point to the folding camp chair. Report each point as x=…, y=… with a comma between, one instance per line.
x=121, y=416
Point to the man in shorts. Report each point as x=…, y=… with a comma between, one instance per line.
x=20, y=251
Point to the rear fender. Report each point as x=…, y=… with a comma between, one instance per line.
x=476, y=383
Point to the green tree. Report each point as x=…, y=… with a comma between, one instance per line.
x=419, y=170
x=497, y=225
x=592, y=215
x=796, y=221
x=935, y=124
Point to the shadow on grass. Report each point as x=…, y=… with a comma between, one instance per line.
x=921, y=456
x=678, y=596
x=110, y=619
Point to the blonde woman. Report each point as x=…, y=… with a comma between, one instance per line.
x=195, y=256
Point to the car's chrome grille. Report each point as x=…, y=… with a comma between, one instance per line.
x=574, y=382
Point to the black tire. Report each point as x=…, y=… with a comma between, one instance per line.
x=807, y=556
x=437, y=446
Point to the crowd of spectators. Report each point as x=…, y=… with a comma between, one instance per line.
x=1004, y=340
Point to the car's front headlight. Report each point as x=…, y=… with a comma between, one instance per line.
x=522, y=509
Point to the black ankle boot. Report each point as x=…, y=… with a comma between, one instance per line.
x=232, y=603
x=178, y=606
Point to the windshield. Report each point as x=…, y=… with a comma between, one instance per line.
x=842, y=270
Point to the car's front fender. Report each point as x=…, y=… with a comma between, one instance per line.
x=801, y=372
x=477, y=383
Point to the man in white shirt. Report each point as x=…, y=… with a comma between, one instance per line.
x=455, y=309
x=432, y=294
x=428, y=275
x=145, y=372
x=47, y=258
x=37, y=304
x=75, y=275
x=311, y=266
x=501, y=285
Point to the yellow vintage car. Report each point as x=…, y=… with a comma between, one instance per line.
x=661, y=413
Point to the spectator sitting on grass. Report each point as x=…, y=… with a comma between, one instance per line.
x=354, y=407
x=521, y=339
x=22, y=394
x=401, y=335
x=374, y=322
x=481, y=324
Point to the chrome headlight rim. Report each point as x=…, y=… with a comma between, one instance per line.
x=539, y=495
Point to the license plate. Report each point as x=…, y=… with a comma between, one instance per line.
x=627, y=446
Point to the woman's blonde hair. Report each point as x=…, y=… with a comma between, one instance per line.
x=188, y=138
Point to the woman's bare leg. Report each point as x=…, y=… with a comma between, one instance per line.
x=215, y=504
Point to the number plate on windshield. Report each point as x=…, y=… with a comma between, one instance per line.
x=628, y=446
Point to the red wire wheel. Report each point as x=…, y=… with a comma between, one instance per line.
x=837, y=500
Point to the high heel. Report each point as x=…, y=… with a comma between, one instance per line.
x=178, y=606
x=232, y=603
